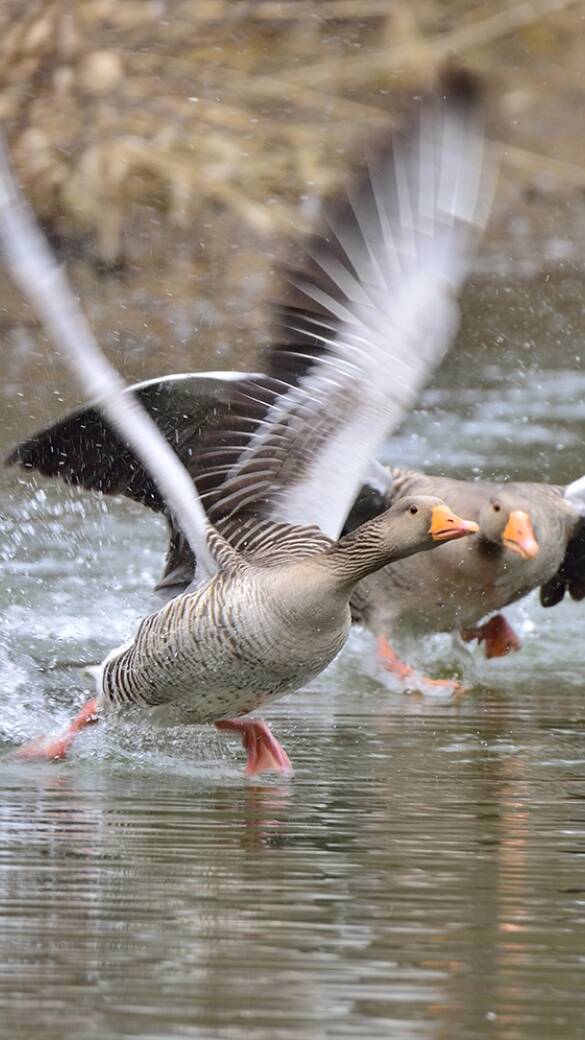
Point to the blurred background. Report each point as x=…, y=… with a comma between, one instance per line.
x=172, y=148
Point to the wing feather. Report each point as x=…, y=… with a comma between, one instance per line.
x=364, y=324
x=83, y=449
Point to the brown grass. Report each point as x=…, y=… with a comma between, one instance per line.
x=185, y=139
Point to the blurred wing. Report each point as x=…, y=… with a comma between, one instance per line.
x=363, y=327
x=575, y=495
x=84, y=450
x=570, y=576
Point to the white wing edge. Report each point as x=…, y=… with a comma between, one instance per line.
x=575, y=495
x=378, y=477
x=35, y=271
x=179, y=377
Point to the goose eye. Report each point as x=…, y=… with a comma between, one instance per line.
x=497, y=507
x=413, y=510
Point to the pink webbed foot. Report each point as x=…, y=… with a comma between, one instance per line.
x=264, y=751
x=45, y=748
x=499, y=637
x=393, y=664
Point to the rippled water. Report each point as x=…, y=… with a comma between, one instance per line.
x=422, y=875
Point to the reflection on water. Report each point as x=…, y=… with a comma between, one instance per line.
x=422, y=874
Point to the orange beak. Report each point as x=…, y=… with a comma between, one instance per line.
x=445, y=525
x=519, y=537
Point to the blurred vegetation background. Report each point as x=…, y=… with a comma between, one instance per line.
x=172, y=148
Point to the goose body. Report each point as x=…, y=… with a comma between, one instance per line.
x=454, y=589
x=203, y=657
x=266, y=623
x=363, y=325
x=461, y=584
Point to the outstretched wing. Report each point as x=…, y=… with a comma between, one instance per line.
x=570, y=576
x=364, y=325
x=34, y=269
x=84, y=450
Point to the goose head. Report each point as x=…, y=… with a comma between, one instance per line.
x=414, y=524
x=420, y=522
x=505, y=520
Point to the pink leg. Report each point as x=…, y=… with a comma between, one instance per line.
x=499, y=637
x=58, y=748
x=392, y=663
x=264, y=751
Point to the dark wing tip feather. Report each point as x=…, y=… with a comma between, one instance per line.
x=553, y=591
x=458, y=85
x=370, y=502
x=34, y=453
x=571, y=574
x=83, y=450
x=21, y=455
x=57, y=450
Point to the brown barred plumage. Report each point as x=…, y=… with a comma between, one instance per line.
x=270, y=620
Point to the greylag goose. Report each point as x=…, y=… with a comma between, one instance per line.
x=367, y=322
x=530, y=535
x=84, y=450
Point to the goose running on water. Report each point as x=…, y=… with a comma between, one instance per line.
x=530, y=535
x=365, y=324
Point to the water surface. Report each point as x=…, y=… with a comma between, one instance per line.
x=422, y=876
